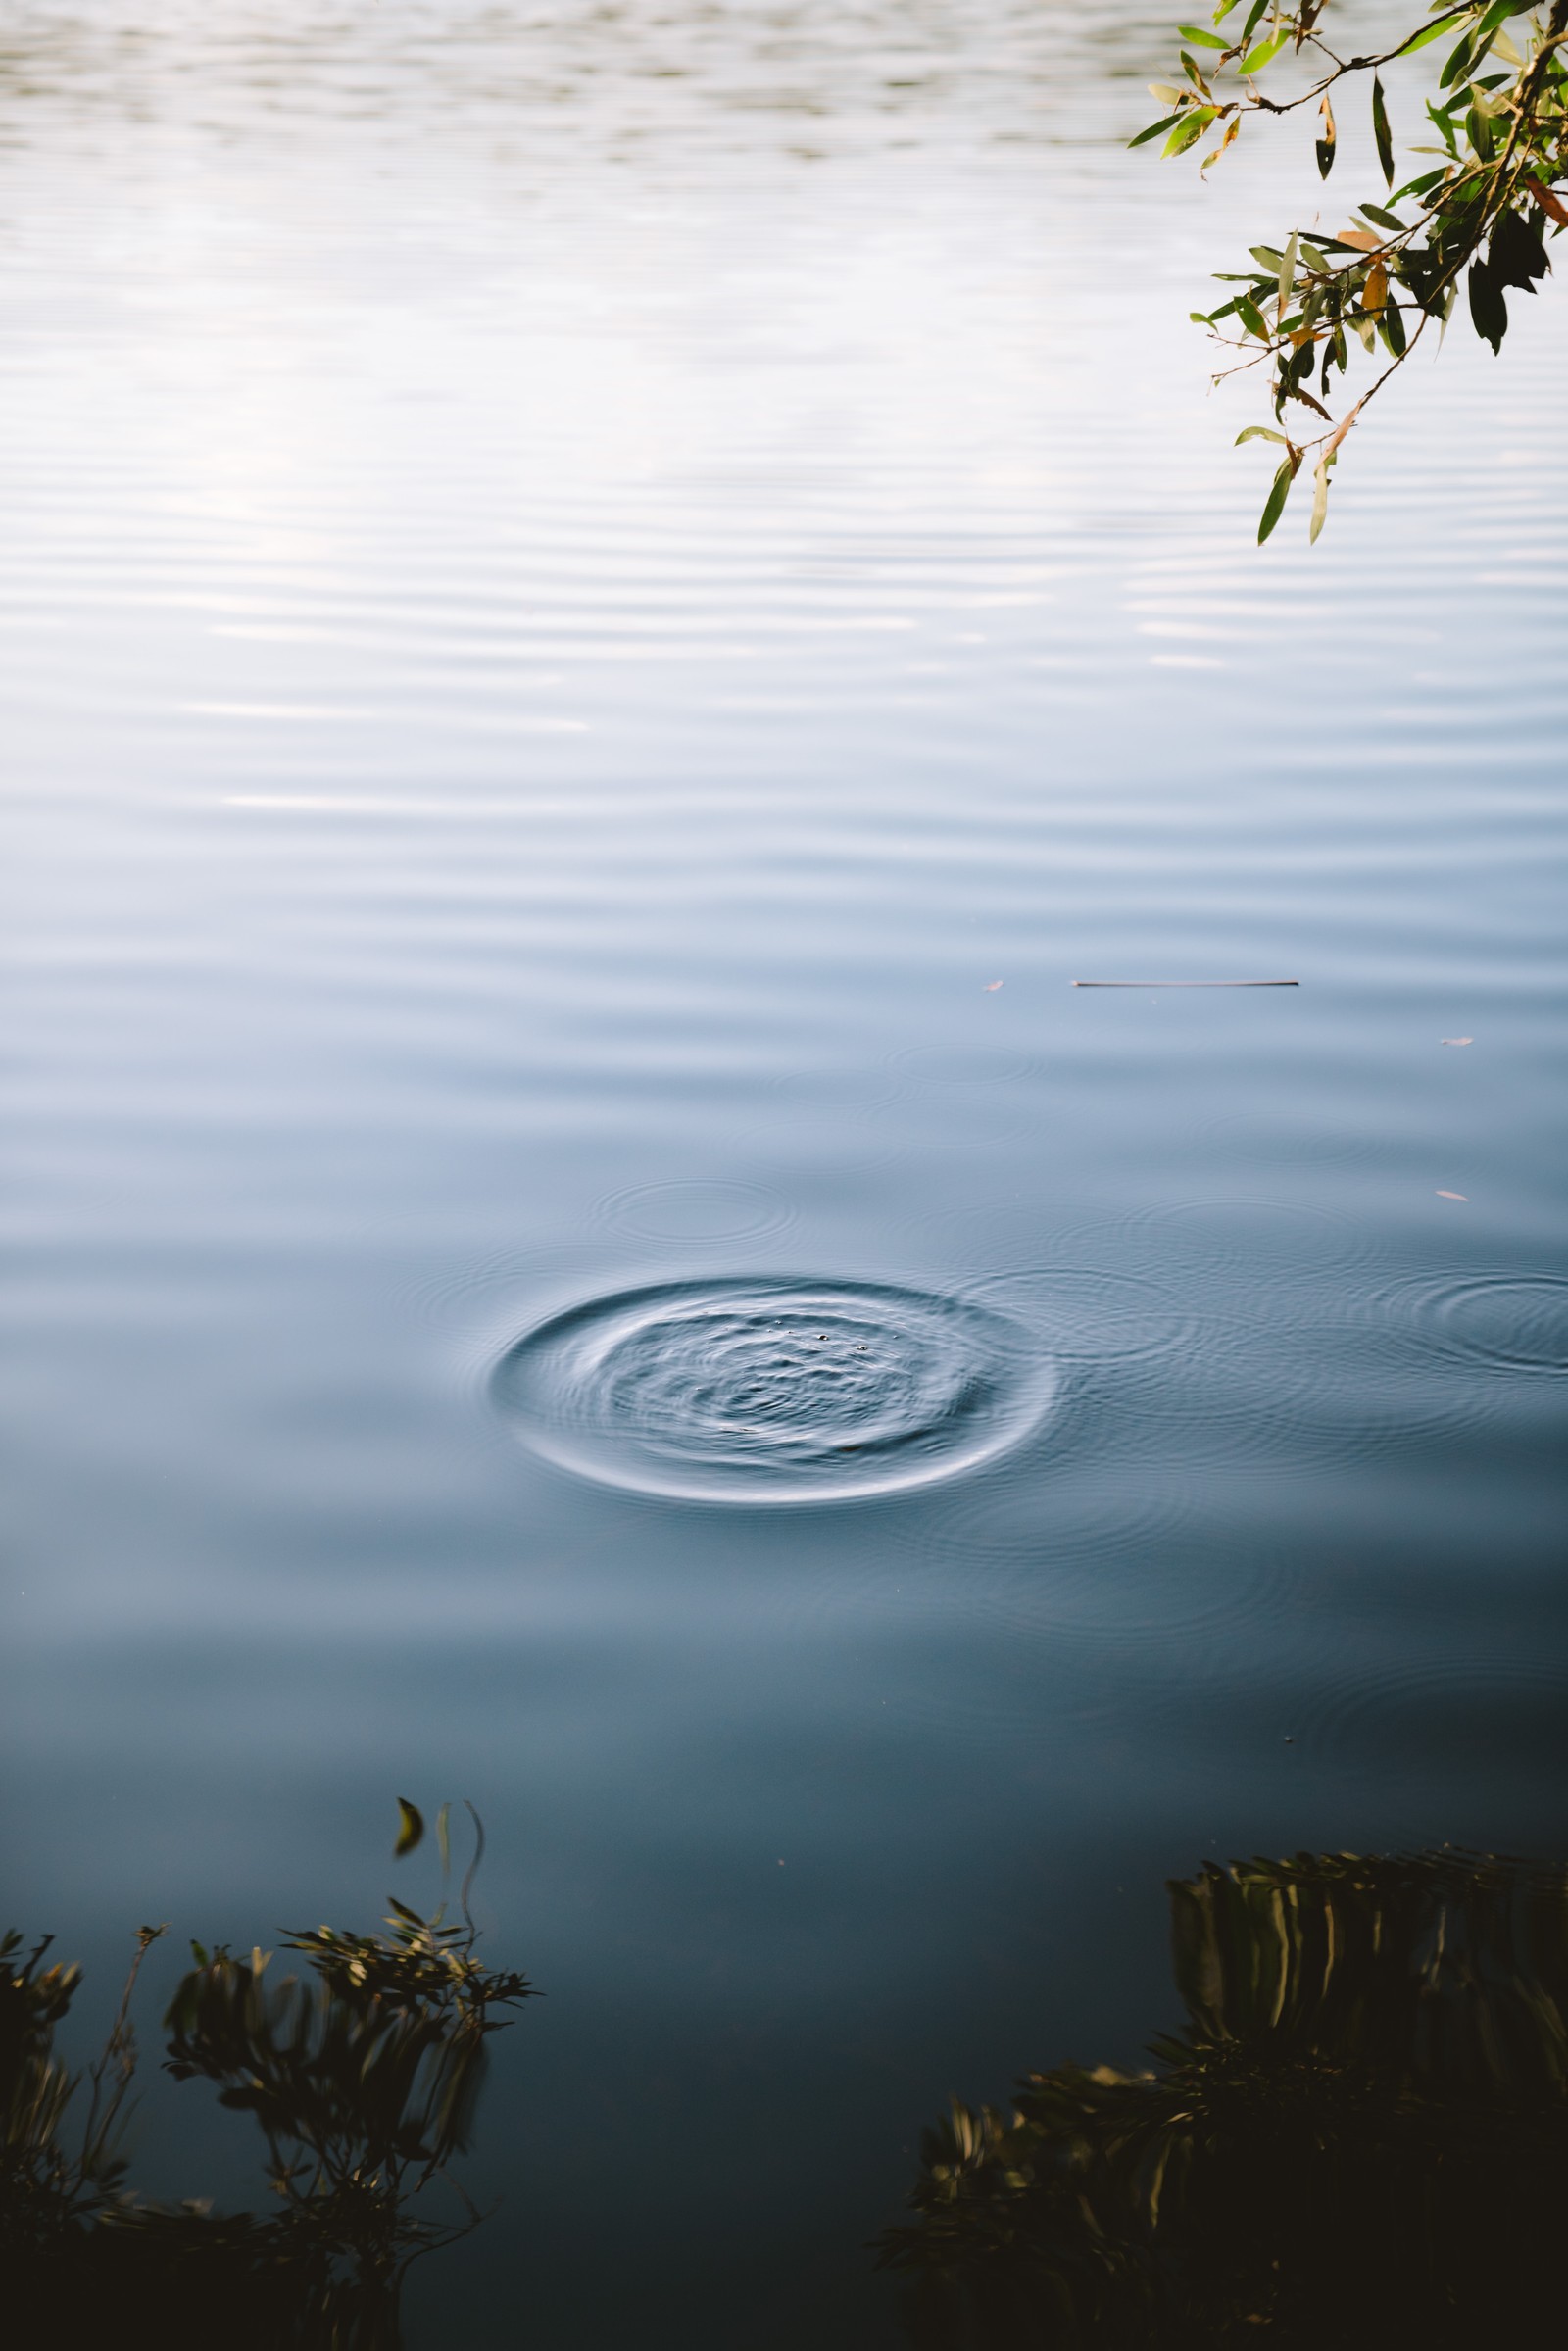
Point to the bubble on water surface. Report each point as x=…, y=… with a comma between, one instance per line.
x=773, y=1391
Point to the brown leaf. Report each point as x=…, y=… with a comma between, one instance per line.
x=1375, y=293
x=1547, y=202
x=991, y=987
x=1363, y=240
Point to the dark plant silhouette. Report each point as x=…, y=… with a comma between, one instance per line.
x=1361, y=2135
x=363, y=2078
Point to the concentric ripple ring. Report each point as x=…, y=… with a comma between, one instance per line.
x=773, y=1391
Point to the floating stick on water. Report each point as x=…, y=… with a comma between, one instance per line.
x=1187, y=983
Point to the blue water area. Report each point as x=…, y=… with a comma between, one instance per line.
x=605, y=611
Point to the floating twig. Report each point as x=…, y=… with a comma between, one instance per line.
x=1187, y=983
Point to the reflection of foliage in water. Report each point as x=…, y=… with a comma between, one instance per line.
x=1361, y=2131
x=363, y=2079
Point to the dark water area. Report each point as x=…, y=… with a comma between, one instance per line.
x=604, y=609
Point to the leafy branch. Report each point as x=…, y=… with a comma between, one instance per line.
x=1484, y=212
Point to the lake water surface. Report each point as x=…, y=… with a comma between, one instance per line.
x=603, y=609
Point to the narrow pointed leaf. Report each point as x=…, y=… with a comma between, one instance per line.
x=411, y=1828
x=1381, y=133
x=1274, y=506
x=1320, y=501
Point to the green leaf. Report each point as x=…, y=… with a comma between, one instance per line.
x=1204, y=41
x=1458, y=61
x=1274, y=506
x=1267, y=258
x=1380, y=132
x=1261, y=432
x=1251, y=318
x=411, y=1828
x=1433, y=32
x=1266, y=51
x=1384, y=219
x=1153, y=130
x=1288, y=269
x=1191, y=127
x=1320, y=501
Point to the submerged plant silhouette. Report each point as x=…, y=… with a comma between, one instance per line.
x=364, y=2079
x=1360, y=2134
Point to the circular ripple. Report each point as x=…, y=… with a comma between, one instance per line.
x=772, y=1391
x=1280, y=1146
x=1493, y=1321
x=838, y=1089
x=960, y=1065
x=1237, y=1238
x=697, y=1212
x=1461, y=1714
x=1087, y=1314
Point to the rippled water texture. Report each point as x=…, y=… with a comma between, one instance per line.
x=603, y=608
x=772, y=1392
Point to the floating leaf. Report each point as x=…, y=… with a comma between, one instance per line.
x=991, y=987
x=1458, y=1041
x=411, y=1828
x=1464, y=1195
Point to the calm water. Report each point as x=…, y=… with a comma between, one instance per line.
x=581, y=586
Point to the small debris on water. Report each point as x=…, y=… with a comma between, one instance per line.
x=1464, y=1195
x=1458, y=1041
x=991, y=987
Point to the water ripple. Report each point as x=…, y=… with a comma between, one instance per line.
x=1493, y=1321
x=772, y=1391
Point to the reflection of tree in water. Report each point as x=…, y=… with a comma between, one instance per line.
x=1361, y=2135
x=364, y=2079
